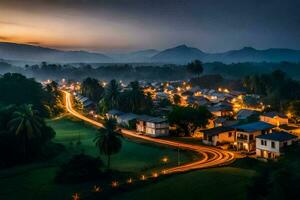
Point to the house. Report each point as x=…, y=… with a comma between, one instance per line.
x=221, y=121
x=272, y=145
x=114, y=114
x=126, y=118
x=86, y=103
x=221, y=110
x=246, y=134
x=274, y=118
x=152, y=126
x=219, y=135
x=244, y=114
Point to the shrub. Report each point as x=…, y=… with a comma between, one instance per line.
x=80, y=168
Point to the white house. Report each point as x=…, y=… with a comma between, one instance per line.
x=271, y=146
x=152, y=126
x=246, y=134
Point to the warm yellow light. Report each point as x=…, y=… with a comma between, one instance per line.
x=143, y=177
x=155, y=175
x=129, y=181
x=114, y=184
x=165, y=159
x=289, y=115
x=97, y=188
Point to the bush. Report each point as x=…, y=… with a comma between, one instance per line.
x=79, y=169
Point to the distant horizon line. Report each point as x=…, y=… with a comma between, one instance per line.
x=142, y=49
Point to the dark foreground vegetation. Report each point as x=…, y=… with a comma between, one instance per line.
x=24, y=105
x=274, y=180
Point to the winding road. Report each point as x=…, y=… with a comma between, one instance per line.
x=210, y=156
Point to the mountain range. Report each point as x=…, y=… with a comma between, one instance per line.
x=30, y=53
x=177, y=55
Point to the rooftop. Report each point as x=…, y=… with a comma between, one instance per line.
x=274, y=114
x=277, y=136
x=115, y=112
x=148, y=118
x=255, y=126
x=216, y=131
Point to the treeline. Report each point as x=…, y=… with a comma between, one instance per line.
x=238, y=70
x=132, y=99
x=120, y=72
x=149, y=71
x=276, y=88
x=16, y=89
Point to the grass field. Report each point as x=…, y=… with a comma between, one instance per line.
x=35, y=181
x=210, y=184
x=134, y=156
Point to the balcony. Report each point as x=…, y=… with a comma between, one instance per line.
x=242, y=139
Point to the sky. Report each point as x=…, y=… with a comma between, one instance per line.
x=129, y=25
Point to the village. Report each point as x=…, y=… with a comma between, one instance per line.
x=239, y=122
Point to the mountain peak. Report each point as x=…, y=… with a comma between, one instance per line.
x=182, y=46
x=248, y=49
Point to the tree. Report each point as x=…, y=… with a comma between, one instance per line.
x=112, y=94
x=17, y=89
x=26, y=124
x=176, y=99
x=294, y=108
x=195, y=67
x=108, y=139
x=90, y=88
x=189, y=119
x=80, y=168
x=53, y=100
x=136, y=97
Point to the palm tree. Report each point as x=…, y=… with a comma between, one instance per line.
x=26, y=124
x=108, y=140
x=112, y=94
x=136, y=96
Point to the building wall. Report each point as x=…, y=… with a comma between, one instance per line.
x=248, y=145
x=153, y=129
x=228, y=136
x=267, y=151
x=268, y=145
x=276, y=121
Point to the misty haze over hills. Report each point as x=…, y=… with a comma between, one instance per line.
x=177, y=55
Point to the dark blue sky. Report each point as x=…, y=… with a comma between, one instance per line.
x=125, y=25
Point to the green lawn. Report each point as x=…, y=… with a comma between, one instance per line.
x=134, y=156
x=210, y=184
x=35, y=181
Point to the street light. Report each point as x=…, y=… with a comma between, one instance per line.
x=165, y=159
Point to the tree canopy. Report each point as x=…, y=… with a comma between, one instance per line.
x=188, y=119
x=195, y=67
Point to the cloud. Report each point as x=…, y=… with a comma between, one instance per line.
x=34, y=43
x=4, y=38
